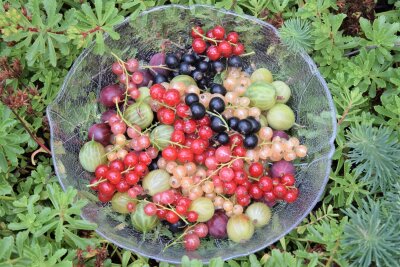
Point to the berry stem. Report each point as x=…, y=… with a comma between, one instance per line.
x=158, y=67
x=205, y=37
x=97, y=183
x=219, y=116
x=248, y=54
x=179, y=237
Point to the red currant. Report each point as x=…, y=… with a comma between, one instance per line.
x=229, y=187
x=104, y=198
x=161, y=213
x=192, y=216
x=269, y=196
x=288, y=179
x=189, y=126
x=244, y=200
x=181, y=210
x=141, y=169
x=237, y=164
x=225, y=49
x=256, y=169
x=172, y=97
x=170, y=153
x=199, y=45
x=178, y=136
x=239, y=151
x=205, y=121
x=166, y=116
x=182, y=110
x=236, y=140
x=101, y=171
x=199, y=159
x=232, y=37
x=226, y=174
x=113, y=176
x=117, y=165
x=276, y=181
x=211, y=163
x=241, y=191
x=241, y=177
x=157, y=92
x=223, y=154
x=210, y=34
x=131, y=159
x=213, y=53
x=201, y=230
x=265, y=184
x=280, y=191
x=185, y=155
x=93, y=181
x=106, y=188
x=291, y=196
x=122, y=186
x=255, y=192
x=219, y=32
x=132, y=178
x=238, y=49
x=205, y=132
x=197, y=32
x=198, y=146
x=172, y=217
x=144, y=157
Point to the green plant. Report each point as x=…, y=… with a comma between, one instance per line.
x=39, y=40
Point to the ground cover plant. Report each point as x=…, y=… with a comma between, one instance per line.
x=356, y=46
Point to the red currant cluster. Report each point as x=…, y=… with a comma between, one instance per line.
x=218, y=45
x=178, y=207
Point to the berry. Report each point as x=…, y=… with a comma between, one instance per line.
x=223, y=154
x=218, y=32
x=170, y=153
x=161, y=213
x=201, y=230
x=181, y=210
x=198, y=146
x=235, y=61
x=157, y=92
x=132, y=65
x=229, y=187
x=291, y=196
x=265, y=184
x=106, y=188
x=238, y=49
x=288, y=179
x=213, y=53
x=225, y=49
x=205, y=121
x=244, y=200
x=117, y=68
x=232, y=37
x=205, y=132
x=191, y=242
x=217, y=125
x=178, y=136
x=192, y=216
x=132, y=178
x=185, y=155
x=130, y=160
x=280, y=191
x=185, y=68
x=150, y=209
x=137, y=77
x=210, y=34
x=93, y=181
x=141, y=169
x=113, y=176
x=196, y=32
x=241, y=177
x=189, y=126
x=226, y=174
x=241, y=191
x=199, y=45
x=217, y=89
x=198, y=110
x=203, y=66
x=117, y=165
x=171, y=61
x=255, y=192
x=191, y=98
x=239, y=151
x=144, y=158
x=122, y=186
x=166, y=116
x=182, y=110
x=189, y=58
x=171, y=97
x=217, y=105
x=244, y=127
x=256, y=169
x=222, y=138
x=101, y=171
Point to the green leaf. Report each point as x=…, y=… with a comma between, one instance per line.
x=216, y=262
x=6, y=245
x=125, y=258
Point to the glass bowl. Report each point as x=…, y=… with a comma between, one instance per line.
x=76, y=108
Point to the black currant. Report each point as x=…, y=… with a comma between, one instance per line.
x=160, y=78
x=153, y=165
x=222, y=138
x=217, y=89
x=218, y=66
x=191, y=98
x=235, y=61
x=176, y=227
x=203, y=66
x=171, y=61
x=189, y=58
x=198, y=110
x=255, y=124
x=250, y=141
x=244, y=127
x=216, y=104
x=233, y=123
x=217, y=125
x=197, y=75
x=185, y=68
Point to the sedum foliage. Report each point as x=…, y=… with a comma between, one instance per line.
x=356, y=48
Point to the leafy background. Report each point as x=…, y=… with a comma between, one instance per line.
x=356, y=45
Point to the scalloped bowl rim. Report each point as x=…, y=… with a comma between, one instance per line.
x=305, y=57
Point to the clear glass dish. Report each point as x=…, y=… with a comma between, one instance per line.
x=76, y=108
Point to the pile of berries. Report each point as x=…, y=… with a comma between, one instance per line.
x=178, y=147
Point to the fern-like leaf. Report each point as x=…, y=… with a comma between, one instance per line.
x=370, y=237
x=296, y=34
x=375, y=153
